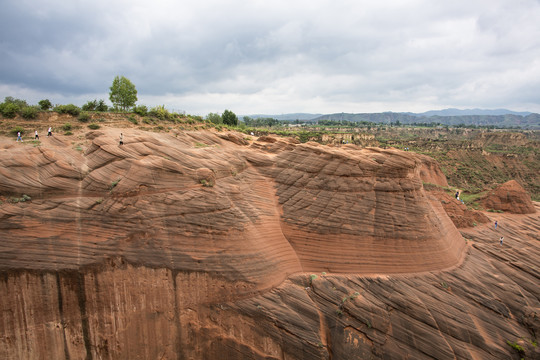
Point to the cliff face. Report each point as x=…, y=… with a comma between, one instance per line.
x=202, y=245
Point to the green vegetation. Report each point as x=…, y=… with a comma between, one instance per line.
x=113, y=184
x=229, y=118
x=44, y=104
x=30, y=112
x=516, y=347
x=67, y=109
x=123, y=93
x=132, y=119
x=95, y=105
x=93, y=126
x=66, y=127
x=84, y=117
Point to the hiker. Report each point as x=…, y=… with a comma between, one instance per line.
x=37, y=136
x=49, y=133
x=501, y=240
x=457, y=194
x=121, y=139
x=496, y=224
x=19, y=136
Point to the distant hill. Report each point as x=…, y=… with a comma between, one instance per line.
x=451, y=116
x=283, y=117
x=467, y=112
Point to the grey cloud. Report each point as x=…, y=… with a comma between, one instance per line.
x=316, y=53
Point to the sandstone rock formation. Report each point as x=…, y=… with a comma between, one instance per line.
x=460, y=215
x=198, y=245
x=510, y=197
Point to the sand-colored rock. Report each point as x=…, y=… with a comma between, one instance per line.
x=509, y=197
x=124, y=252
x=461, y=216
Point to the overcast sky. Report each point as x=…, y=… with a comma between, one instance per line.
x=275, y=57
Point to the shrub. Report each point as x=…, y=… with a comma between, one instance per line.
x=160, y=112
x=16, y=129
x=30, y=112
x=94, y=126
x=101, y=106
x=67, y=133
x=214, y=118
x=132, y=119
x=84, y=117
x=66, y=127
x=45, y=104
x=19, y=102
x=90, y=105
x=10, y=110
x=68, y=109
x=141, y=110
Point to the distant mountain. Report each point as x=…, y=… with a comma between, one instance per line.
x=466, y=112
x=283, y=117
x=479, y=117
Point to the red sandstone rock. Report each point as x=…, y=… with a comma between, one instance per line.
x=122, y=252
x=510, y=197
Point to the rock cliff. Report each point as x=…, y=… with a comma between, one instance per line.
x=199, y=245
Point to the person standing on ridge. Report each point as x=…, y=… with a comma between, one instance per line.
x=37, y=136
x=49, y=133
x=121, y=139
x=19, y=137
x=496, y=224
x=501, y=240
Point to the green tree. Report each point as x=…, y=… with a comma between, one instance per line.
x=214, y=118
x=45, y=104
x=229, y=118
x=122, y=93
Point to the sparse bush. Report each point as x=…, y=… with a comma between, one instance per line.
x=10, y=110
x=94, y=126
x=516, y=347
x=160, y=112
x=68, y=109
x=113, y=184
x=16, y=129
x=66, y=127
x=90, y=105
x=132, y=119
x=19, y=102
x=214, y=118
x=84, y=117
x=141, y=110
x=101, y=106
x=67, y=133
x=29, y=112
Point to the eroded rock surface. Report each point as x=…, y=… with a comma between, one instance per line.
x=198, y=246
x=510, y=197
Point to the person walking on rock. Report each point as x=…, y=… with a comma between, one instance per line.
x=496, y=224
x=49, y=133
x=501, y=240
x=19, y=136
x=121, y=139
x=37, y=136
